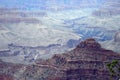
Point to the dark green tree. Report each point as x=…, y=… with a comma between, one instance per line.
x=114, y=68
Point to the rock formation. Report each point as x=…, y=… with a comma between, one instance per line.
x=6, y=77
x=109, y=8
x=86, y=62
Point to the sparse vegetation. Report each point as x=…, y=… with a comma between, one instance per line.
x=114, y=69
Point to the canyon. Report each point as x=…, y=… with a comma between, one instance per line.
x=58, y=39
x=87, y=61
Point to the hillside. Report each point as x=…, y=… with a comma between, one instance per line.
x=87, y=61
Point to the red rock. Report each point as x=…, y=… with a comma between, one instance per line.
x=6, y=77
x=86, y=62
x=89, y=43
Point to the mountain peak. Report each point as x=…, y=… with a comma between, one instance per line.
x=78, y=64
x=89, y=44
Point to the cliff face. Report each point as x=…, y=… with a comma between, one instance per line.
x=86, y=62
x=109, y=8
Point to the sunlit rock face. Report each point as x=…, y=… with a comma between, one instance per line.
x=28, y=43
x=35, y=35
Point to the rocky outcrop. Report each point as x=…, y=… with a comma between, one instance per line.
x=86, y=62
x=89, y=44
